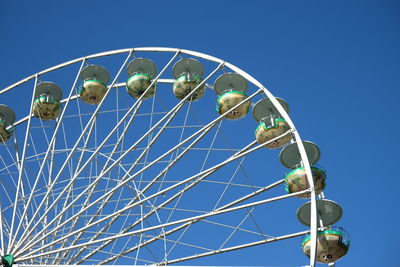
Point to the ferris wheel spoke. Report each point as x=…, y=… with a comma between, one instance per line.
x=128, y=241
x=185, y=225
x=134, y=192
x=50, y=168
x=173, y=242
x=16, y=163
x=8, y=171
x=138, y=102
x=214, y=252
x=32, y=254
x=121, y=138
x=70, y=192
x=188, y=224
x=102, y=231
x=127, y=207
x=1, y=230
x=115, y=127
x=91, y=134
x=261, y=190
x=92, y=217
x=153, y=210
x=237, y=227
x=153, y=207
x=50, y=175
x=244, y=230
x=249, y=213
x=12, y=238
x=36, y=155
x=176, y=54
x=84, y=146
x=70, y=186
x=33, y=204
x=48, y=150
x=62, y=259
x=172, y=111
x=10, y=201
x=165, y=171
x=109, y=158
x=139, y=221
x=23, y=190
x=93, y=202
x=177, y=242
x=135, y=259
x=229, y=184
x=150, y=184
x=151, y=140
x=140, y=99
x=186, y=140
x=23, y=238
x=171, y=187
x=188, y=186
x=118, y=182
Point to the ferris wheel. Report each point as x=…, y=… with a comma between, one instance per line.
x=155, y=156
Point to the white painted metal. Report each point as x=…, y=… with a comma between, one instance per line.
x=11, y=240
x=25, y=248
x=74, y=148
x=52, y=140
x=195, y=218
x=39, y=236
x=110, y=167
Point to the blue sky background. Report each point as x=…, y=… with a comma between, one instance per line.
x=335, y=62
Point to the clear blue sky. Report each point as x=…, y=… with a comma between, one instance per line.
x=335, y=62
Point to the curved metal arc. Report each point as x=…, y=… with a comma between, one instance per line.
x=303, y=154
x=109, y=53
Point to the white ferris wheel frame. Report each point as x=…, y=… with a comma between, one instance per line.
x=313, y=227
